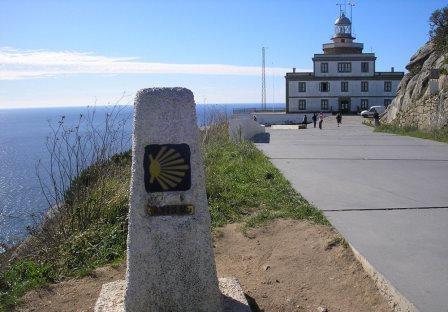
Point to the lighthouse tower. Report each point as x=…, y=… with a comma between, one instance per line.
x=344, y=78
x=343, y=38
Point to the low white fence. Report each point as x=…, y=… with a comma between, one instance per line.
x=279, y=118
x=244, y=128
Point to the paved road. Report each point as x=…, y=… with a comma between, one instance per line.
x=387, y=194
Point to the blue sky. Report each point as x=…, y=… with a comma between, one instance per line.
x=67, y=53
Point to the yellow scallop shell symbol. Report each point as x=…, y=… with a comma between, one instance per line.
x=168, y=168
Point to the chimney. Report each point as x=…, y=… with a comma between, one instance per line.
x=293, y=69
x=392, y=69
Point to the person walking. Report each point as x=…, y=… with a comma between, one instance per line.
x=376, y=118
x=339, y=118
x=314, y=118
x=305, y=121
x=321, y=120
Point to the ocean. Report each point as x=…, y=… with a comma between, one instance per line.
x=23, y=136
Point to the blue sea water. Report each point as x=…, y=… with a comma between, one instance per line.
x=23, y=134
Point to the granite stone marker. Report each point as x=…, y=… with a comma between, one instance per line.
x=170, y=263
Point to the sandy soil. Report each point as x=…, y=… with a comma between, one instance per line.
x=283, y=266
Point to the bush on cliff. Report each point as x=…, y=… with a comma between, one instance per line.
x=86, y=233
x=438, y=32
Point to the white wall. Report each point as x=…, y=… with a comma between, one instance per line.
x=244, y=128
x=280, y=118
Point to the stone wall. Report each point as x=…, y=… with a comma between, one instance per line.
x=244, y=128
x=417, y=105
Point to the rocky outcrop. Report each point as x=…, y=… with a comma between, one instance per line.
x=421, y=102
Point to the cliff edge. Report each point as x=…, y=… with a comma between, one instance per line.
x=422, y=102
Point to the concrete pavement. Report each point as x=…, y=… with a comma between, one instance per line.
x=387, y=194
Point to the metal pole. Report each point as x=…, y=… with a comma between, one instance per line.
x=263, y=79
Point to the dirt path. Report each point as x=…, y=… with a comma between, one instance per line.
x=284, y=266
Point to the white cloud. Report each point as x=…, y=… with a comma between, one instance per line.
x=25, y=64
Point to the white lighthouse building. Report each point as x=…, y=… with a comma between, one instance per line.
x=343, y=78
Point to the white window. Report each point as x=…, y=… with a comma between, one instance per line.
x=387, y=86
x=324, y=87
x=344, y=86
x=364, y=86
x=302, y=86
x=365, y=67
x=345, y=67
x=364, y=103
x=324, y=67
x=302, y=104
x=324, y=104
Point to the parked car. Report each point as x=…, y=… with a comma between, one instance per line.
x=371, y=111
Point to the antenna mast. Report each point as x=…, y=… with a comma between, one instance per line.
x=273, y=86
x=263, y=78
x=340, y=7
x=351, y=4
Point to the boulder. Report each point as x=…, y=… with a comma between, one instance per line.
x=414, y=105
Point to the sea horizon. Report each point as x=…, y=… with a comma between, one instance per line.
x=22, y=146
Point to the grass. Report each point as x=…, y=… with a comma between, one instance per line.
x=367, y=122
x=90, y=233
x=20, y=277
x=242, y=186
x=440, y=135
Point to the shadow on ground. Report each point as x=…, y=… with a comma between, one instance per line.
x=253, y=304
x=261, y=138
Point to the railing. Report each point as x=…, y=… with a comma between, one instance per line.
x=393, y=73
x=258, y=110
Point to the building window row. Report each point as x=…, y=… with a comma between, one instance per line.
x=325, y=86
x=344, y=67
x=324, y=104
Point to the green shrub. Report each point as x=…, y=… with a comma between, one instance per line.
x=99, y=245
x=21, y=277
x=438, y=33
x=440, y=135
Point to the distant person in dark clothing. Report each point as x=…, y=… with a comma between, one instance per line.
x=305, y=121
x=255, y=118
x=321, y=120
x=376, y=118
x=314, y=118
x=339, y=118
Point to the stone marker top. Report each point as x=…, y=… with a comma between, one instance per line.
x=169, y=112
x=170, y=256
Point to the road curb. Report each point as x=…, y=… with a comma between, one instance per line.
x=396, y=300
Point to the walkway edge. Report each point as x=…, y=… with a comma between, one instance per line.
x=396, y=300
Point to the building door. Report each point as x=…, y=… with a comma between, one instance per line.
x=344, y=105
